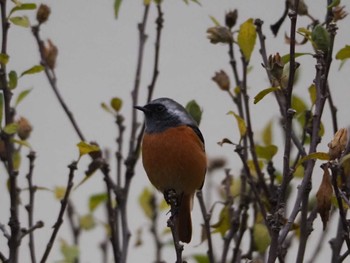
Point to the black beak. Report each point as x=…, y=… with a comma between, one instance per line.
x=141, y=108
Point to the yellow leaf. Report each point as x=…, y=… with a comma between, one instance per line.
x=261, y=236
x=116, y=104
x=85, y=148
x=246, y=38
x=145, y=201
x=267, y=133
x=316, y=155
x=224, y=223
x=266, y=152
x=59, y=192
x=241, y=124
x=87, y=222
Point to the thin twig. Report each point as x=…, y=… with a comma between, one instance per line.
x=50, y=74
x=3, y=229
x=206, y=217
x=154, y=229
x=30, y=230
x=64, y=202
x=30, y=206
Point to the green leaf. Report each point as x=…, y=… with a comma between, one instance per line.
x=21, y=96
x=194, y=110
x=116, y=104
x=312, y=93
x=4, y=58
x=11, y=128
x=147, y=2
x=261, y=237
x=69, y=252
x=12, y=79
x=241, y=124
x=343, y=53
x=224, y=222
x=298, y=104
x=85, y=148
x=333, y=4
x=22, y=21
x=96, y=200
x=266, y=152
x=201, y=258
x=16, y=160
x=299, y=172
x=21, y=142
x=345, y=164
x=87, y=222
x=320, y=38
x=33, y=70
x=215, y=21
x=145, y=200
x=23, y=6
x=117, y=4
x=106, y=108
x=316, y=155
x=246, y=38
x=263, y=93
x=267, y=133
x=286, y=58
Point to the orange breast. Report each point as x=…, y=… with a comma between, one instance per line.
x=174, y=159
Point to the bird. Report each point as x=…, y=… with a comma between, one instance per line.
x=173, y=156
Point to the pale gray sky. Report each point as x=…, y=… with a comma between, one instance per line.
x=97, y=61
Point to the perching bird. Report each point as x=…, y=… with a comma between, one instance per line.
x=173, y=156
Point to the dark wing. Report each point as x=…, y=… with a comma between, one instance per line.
x=198, y=132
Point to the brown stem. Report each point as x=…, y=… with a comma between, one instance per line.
x=206, y=217
x=64, y=202
x=50, y=74
x=30, y=206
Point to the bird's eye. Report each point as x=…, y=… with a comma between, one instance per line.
x=160, y=108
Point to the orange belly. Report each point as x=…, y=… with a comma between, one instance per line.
x=174, y=159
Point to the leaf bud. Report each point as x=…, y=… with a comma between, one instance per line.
x=339, y=13
x=219, y=34
x=231, y=18
x=275, y=66
x=50, y=54
x=338, y=143
x=43, y=13
x=222, y=79
x=24, y=128
x=324, y=196
x=302, y=7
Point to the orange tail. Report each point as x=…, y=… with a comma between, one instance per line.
x=184, y=222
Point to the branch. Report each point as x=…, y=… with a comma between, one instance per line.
x=172, y=199
x=50, y=74
x=14, y=241
x=30, y=231
x=4, y=231
x=154, y=229
x=206, y=217
x=64, y=202
x=30, y=206
x=320, y=82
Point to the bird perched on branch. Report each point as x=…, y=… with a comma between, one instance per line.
x=174, y=158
